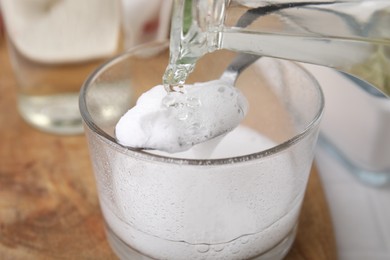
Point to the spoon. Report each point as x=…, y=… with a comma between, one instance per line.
x=238, y=65
x=176, y=121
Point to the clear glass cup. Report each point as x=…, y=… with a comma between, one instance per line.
x=241, y=204
x=53, y=46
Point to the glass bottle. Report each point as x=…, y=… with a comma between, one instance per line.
x=352, y=36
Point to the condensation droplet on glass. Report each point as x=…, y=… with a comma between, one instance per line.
x=244, y=240
x=202, y=248
x=218, y=248
x=235, y=248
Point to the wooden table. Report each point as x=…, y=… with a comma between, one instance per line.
x=48, y=201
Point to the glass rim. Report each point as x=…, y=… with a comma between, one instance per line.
x=143, y=154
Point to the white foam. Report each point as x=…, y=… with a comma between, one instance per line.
x=176, y=121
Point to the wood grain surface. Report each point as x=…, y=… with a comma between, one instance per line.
x=48, y=201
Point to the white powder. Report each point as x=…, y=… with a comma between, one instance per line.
x=175, y=121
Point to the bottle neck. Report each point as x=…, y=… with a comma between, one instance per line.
x=195, y=30
x=200, y=27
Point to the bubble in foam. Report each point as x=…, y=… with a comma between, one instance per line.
x=183, y=114
x=168, y=101
x=193, y=102
x=221, y=89
x=193, y=129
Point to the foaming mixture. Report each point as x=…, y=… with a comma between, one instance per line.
x=175, y=121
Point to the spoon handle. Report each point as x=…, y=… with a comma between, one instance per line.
x=239, y=63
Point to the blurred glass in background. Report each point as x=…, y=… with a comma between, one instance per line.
x=55, y=44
